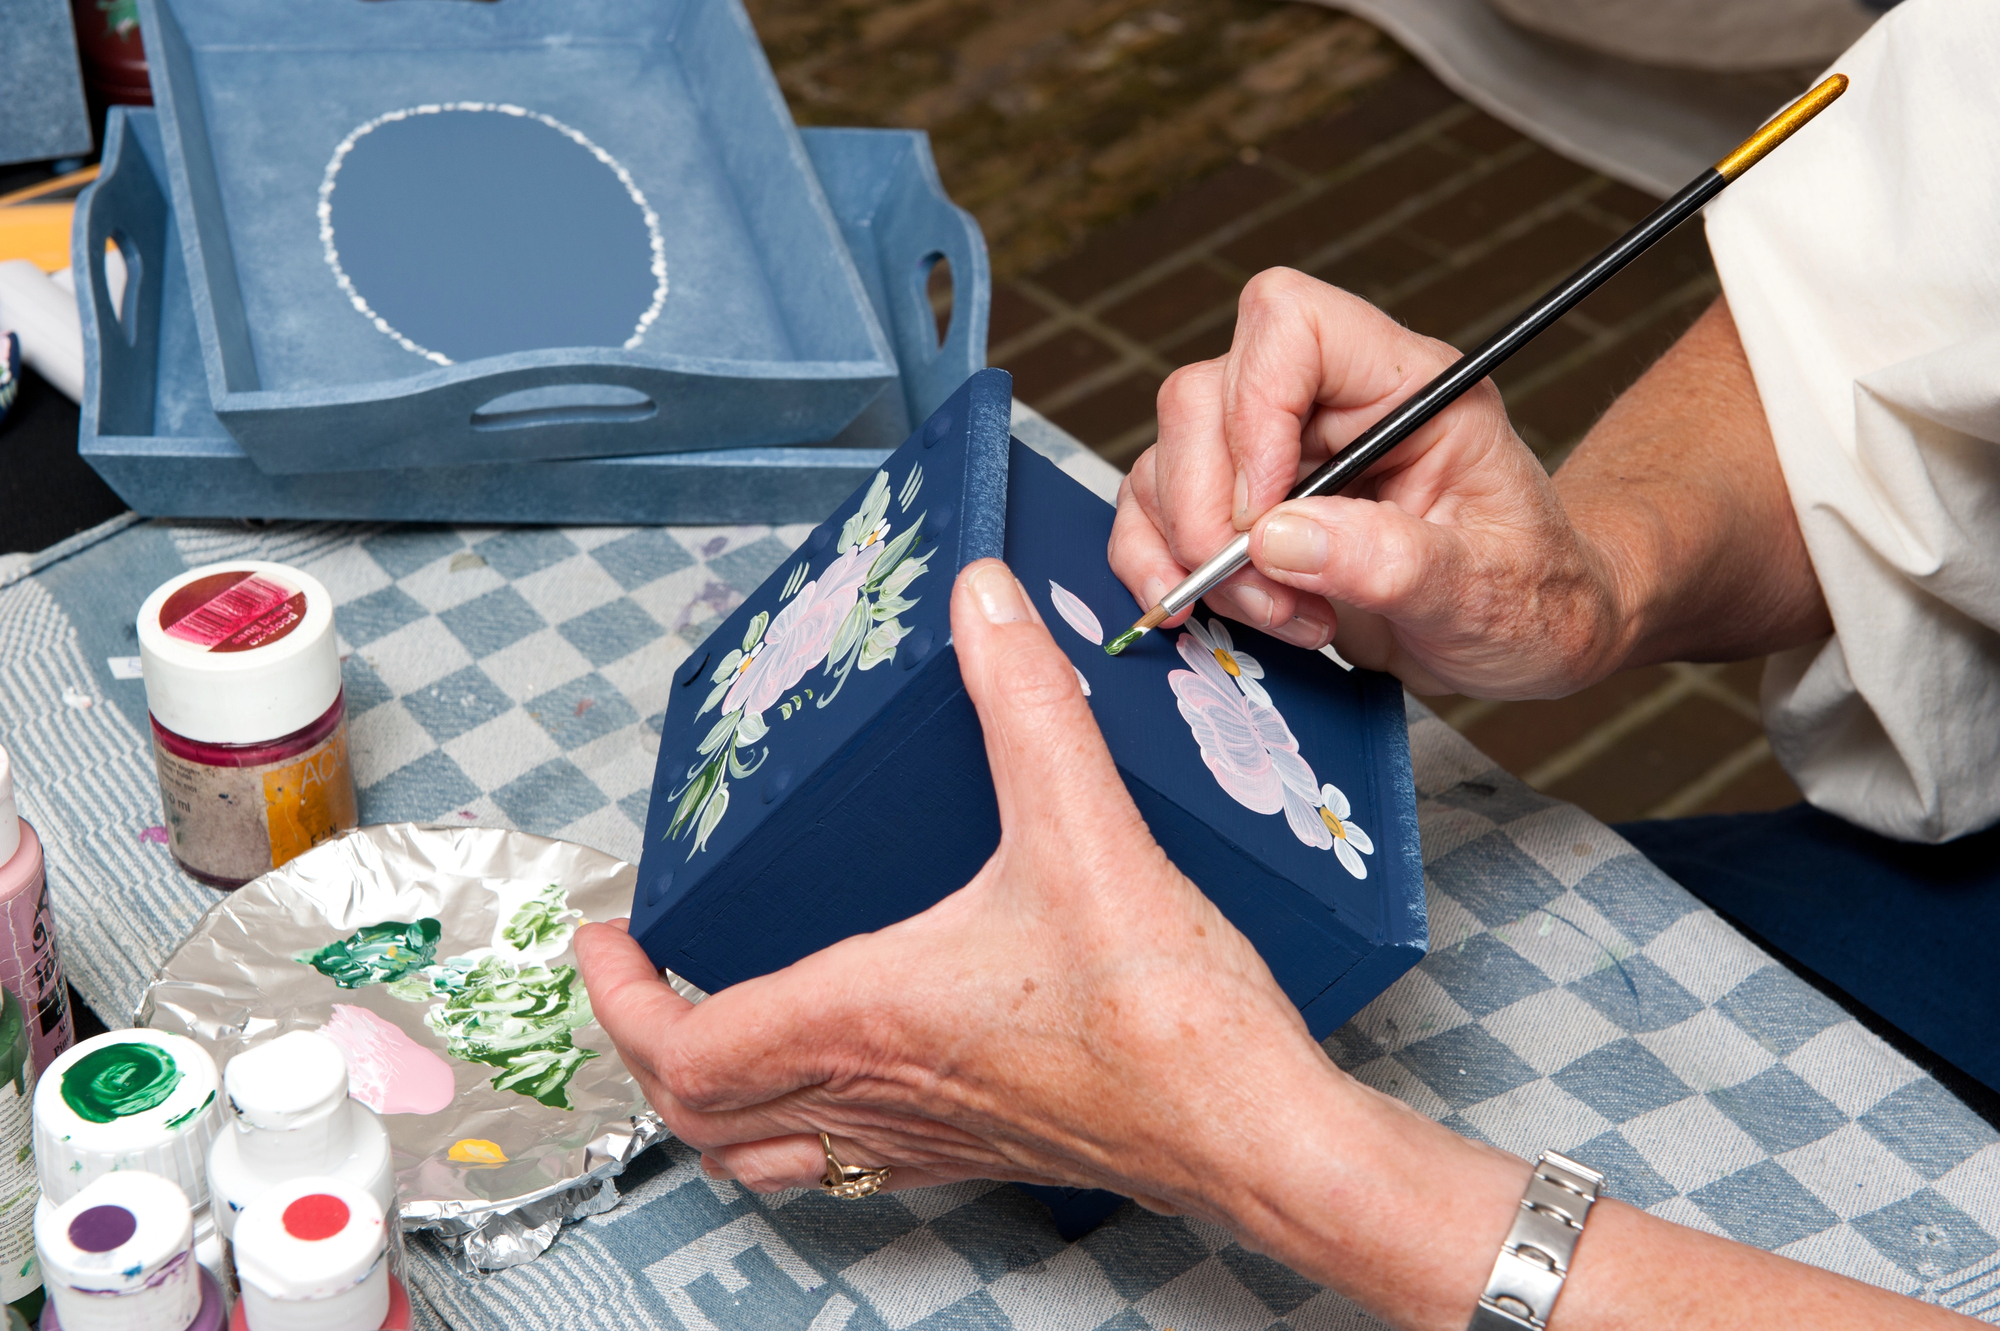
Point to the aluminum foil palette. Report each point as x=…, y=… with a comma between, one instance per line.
x=421, y=951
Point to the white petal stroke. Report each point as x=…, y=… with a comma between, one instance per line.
x=1303, y=815
x=1081, y=680
x=1075, y=613
x=1330, y=796
x=1358, y=838
x=1349, y=860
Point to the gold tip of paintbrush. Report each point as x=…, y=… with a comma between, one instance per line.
x=1781, y=127
x=1147, y=622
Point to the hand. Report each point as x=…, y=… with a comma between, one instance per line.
x=1059, y=1019
x=1080, y=1013
x=1451, y=563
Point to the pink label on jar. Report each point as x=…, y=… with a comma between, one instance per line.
x=31, y=967
x=232, y=612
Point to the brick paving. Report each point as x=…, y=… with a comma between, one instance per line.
x=1451, y=222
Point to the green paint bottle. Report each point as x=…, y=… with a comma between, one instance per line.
x=20, y=1273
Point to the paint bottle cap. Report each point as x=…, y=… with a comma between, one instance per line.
x=293, y=1082
x=10, y=812
x=312, y=1255
x=124, y=1100
x=241, y=652
x=120, y=1254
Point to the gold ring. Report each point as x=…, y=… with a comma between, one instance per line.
x=849, y=1182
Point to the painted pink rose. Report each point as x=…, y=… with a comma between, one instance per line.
x=798, y=638
x=1247, y=746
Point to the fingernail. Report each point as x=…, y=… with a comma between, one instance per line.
x=1152, y=592
x=1295, y=544
x=1255, y=603
x=1242, y=496
x=999, y=596
x=1303, y=631
x=1029, y=601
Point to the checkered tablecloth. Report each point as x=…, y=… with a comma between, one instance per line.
x=1573, y=998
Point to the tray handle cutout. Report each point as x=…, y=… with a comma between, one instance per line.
x=935, y=281
x=565, y=404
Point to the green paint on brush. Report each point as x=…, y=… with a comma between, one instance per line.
x=1123, y=640
x=119, y=1080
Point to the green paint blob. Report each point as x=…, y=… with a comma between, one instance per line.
x=119, y=1080
x=377, y=953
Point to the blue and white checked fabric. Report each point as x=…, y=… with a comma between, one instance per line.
x=1574, y=997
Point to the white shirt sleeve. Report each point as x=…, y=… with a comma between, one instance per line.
x=1862, y=264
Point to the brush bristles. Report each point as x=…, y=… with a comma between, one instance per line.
x=1147, y=623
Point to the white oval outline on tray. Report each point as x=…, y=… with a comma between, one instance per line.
x=326, y=185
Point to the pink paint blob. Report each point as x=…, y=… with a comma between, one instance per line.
x=387, y=1070
x=155, y=835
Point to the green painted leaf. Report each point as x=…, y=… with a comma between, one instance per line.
x=903, y=575
x=785, y=711
x=710, y=816
x=715, y=695
x=726, y=672
x=755, y=630
x=873, y=509
x=849, y=633
x=751, y=729
x=880, y=644
x=694, y=797
x=892, y=555
x=721, y=732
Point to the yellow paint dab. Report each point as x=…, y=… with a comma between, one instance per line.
x=476, y=1151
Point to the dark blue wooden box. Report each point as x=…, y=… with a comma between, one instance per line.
x=822, y=771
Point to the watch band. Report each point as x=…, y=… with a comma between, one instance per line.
x=1534, y=1259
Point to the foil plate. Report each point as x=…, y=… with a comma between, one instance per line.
x=508, y=1110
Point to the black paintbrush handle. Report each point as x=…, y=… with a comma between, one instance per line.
x=1475, y=365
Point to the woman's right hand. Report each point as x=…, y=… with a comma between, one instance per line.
x=1451, y=564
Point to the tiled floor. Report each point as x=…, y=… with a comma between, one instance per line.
x=1451, y=222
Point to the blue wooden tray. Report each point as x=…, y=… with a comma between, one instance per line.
x=445, y=234
x=149, y=430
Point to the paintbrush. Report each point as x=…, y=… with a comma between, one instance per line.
x=1469, y=369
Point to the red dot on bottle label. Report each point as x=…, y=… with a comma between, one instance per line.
x=102, y=1228
x=315, y=1217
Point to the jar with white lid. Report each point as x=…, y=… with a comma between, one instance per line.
x=249, y=721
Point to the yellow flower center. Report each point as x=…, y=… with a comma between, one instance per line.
x=1228, y=662
x=1333, y=824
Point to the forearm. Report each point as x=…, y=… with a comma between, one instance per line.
x=1406, y=1217
x=1679, y=491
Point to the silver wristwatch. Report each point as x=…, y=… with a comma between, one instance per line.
x=1534, y=1260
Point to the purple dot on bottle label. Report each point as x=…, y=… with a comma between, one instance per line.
x=102, y=1228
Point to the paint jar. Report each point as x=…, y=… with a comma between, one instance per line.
x=30, y=965
x=294, y=1118
x=312, y=1254
x=20, y=1277
x=127, y=1100
x=119, y=1256
x=242, y=676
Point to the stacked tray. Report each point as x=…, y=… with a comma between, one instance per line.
x=557, y=262
x=150, y=430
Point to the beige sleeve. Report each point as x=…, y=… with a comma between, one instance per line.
x=1862, y=264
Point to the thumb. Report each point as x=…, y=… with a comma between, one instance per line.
x=1052, y=774
x=1364, y=553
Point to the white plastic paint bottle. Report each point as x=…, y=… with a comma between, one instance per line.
x=313, y=1255
x=119, y=1256
x=130, y=1100
x=292, y=1118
